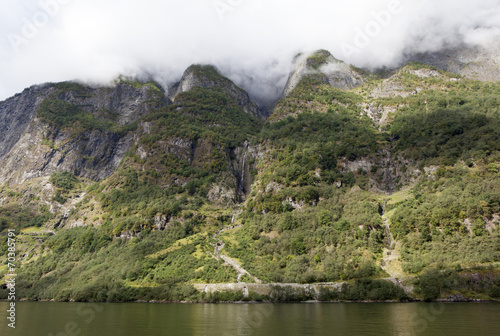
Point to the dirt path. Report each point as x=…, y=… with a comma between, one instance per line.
x=219, y=245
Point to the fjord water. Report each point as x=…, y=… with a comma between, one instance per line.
x=137, y=319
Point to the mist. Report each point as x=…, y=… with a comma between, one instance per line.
x=253, y=42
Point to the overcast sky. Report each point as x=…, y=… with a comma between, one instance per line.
x=251, y=41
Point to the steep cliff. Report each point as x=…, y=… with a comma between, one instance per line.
x=68, y=126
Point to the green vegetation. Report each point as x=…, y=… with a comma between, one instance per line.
x=18, y=212
x=319, y=58
x=138, y=85
x=441, y=127
x=203, y=118
x=480, y=284
x=365, y=289
x=17, y=218
x=319, y=209
x=313, y=94
x=445, y=223
x=61, y=114
x=78, y=89
x=209, y=72
x=90, y=266
x=64, y=180
x=335, y=240
x=204, y=113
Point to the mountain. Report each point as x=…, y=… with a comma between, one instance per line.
x=208, y=77
x=327, y=68
x=379, y=185
x=474, y=62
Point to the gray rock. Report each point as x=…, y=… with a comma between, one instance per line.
x=475, y=62
x=17, y=112
x=30, y=149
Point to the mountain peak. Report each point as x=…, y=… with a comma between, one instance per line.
x=207, y=76
x=321, y=63
x=196, y=75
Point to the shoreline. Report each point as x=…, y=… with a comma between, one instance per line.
x=271, y=302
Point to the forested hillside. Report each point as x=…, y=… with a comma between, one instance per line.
x=126, y=193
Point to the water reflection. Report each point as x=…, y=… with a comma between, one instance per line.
x=127, y=319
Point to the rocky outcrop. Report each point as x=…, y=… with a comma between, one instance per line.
x=386, y=172
x=379, y=114
x=391, y=88
x=161, y=222
x=321, y=63
x=221, y=195
x=207, y=76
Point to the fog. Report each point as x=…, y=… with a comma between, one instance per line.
x=253, y=42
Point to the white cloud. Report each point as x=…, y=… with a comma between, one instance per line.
x=252, y=41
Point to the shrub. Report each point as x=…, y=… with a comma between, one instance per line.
x=64, y=180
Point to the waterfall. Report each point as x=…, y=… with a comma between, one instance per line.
x=243, y=164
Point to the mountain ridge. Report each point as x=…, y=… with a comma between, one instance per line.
x=147, y=186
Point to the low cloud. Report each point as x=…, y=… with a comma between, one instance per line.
x=251, y=41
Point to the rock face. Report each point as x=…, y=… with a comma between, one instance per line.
x=16, y=113
x=94, y=155
x=207, y=76
x=30, y=148
x=332, y=71
x=475, y=62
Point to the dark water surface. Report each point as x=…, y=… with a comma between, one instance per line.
x=131, y=319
